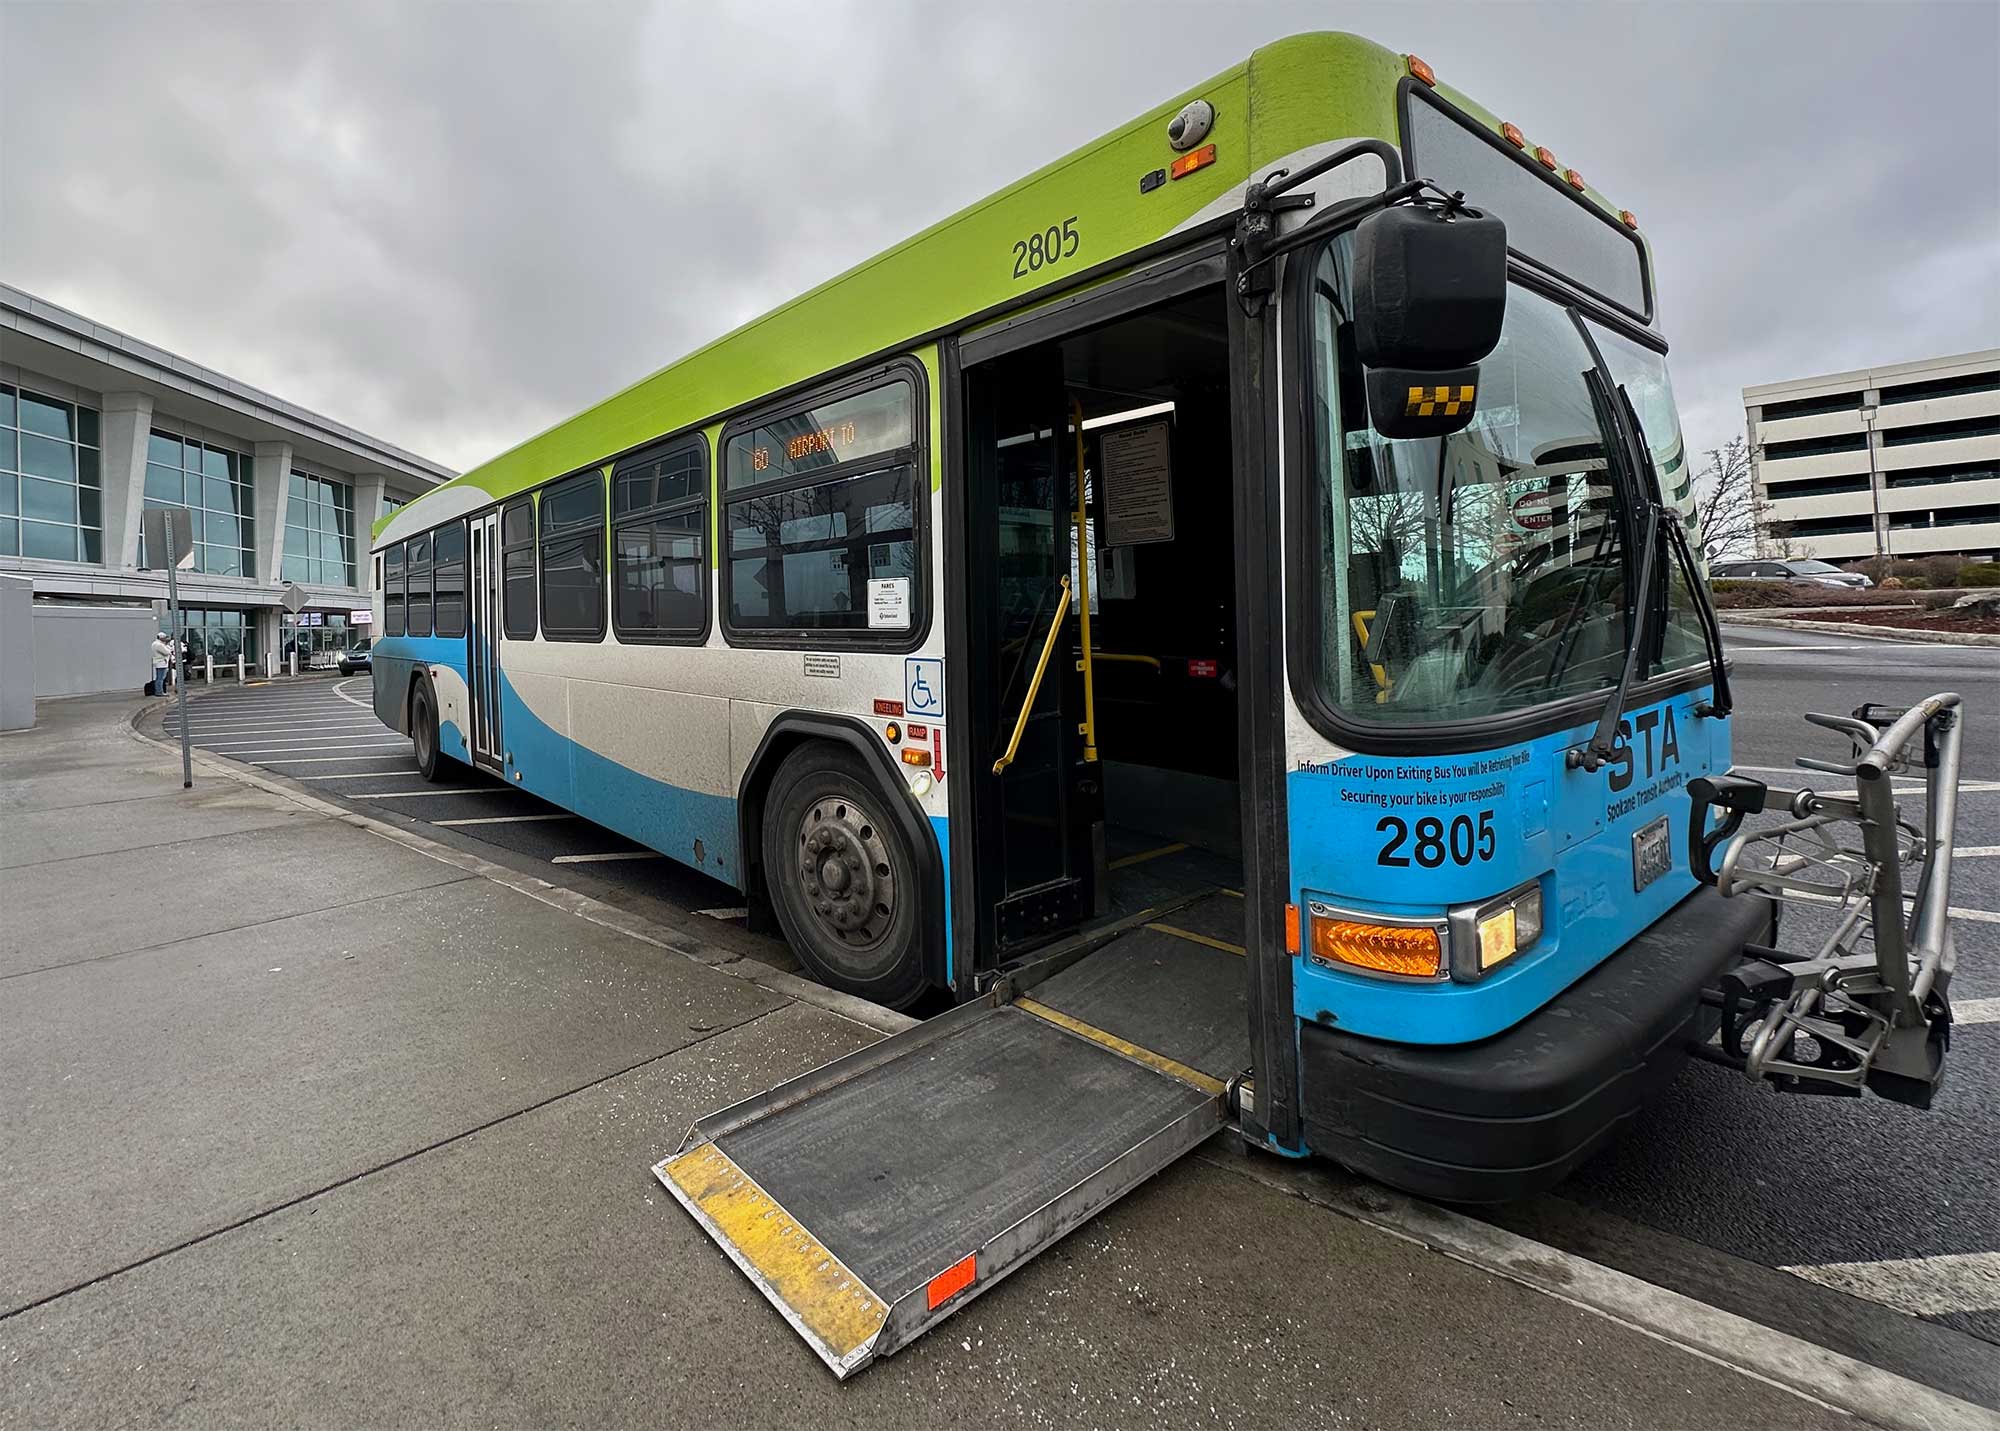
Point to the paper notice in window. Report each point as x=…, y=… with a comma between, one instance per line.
x=889, y=604
x=1138, y=501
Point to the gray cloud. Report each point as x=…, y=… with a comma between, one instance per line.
x=452, y=225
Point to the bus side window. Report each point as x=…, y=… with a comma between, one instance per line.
x=448, y=558
x=420, y=585
x=517, y=567
x=659, y=517
x=392, y=591
x=573, y=558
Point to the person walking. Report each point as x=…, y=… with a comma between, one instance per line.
x=163, y=659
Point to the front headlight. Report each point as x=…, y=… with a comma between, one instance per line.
x=1485, y=936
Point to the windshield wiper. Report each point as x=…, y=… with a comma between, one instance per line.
x=1604, y=739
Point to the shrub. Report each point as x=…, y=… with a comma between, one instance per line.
x=1890, y=583
x=1940, y=601
x=1979, y=573
x=1916, y=583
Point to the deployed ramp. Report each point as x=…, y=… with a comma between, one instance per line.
x=875, y=1196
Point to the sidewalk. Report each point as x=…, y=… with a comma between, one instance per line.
x=304, y=1125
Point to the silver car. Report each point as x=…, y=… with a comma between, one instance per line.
x=1794, y=569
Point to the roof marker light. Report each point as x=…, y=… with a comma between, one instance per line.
x=1625, y=216
x=1188, y=163
x=1546, y=155
x=1575, y=179
x=1420, y=70
x=1513, y=135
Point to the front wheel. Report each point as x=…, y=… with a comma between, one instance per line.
x=432, y=763
x=842, y=877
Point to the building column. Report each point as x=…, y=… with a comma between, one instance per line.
x=1871, y=403
x=368, y=489
x=273, y=474
x=125, y=425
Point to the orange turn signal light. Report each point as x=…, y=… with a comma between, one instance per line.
x=1188, y=163
x=1546, y=155
x=1575, y=179
x=914, y=756
x=892, y=732
x=1513, y=135
x=1413, y=951
x=1420, y=70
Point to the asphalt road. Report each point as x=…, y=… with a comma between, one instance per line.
x=1871, y=1228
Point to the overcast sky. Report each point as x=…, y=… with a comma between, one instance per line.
x=452, y=225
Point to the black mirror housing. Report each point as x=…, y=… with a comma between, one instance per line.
x=1430, y=290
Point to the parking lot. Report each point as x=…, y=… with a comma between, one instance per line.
x=1898, y=1259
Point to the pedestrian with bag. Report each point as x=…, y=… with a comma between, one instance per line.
x=163, y=660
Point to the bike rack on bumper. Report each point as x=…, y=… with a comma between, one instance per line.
x=1869, y=1009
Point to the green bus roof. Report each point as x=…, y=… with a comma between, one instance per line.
x=1298, y=92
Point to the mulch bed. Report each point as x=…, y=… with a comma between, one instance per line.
x=1946, y=620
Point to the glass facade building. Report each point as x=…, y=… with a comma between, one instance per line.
x=215, y=484
x=51, y=492
x=221, y=633
x=319, y=531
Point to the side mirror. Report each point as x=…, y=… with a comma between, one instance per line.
x=1430, y=295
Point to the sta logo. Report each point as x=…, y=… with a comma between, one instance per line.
x=1660, y=742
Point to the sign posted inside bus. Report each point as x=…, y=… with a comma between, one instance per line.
x=889, y=603
x=1138, y=485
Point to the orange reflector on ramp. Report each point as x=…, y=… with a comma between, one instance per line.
x=950, y=1282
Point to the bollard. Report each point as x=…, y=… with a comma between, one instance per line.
x=295, y=660
x=208, y=669
x=240, y=677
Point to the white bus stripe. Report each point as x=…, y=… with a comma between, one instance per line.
x=1921, y=1286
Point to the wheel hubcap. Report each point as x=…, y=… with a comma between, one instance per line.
x=845, y=873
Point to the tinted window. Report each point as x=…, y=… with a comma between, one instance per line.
x=448, y=563
x=392, y=591
x=420, y=585
x=517, y=566
x=1545, y=222
x=658, y=544
x=802, y=558
x=573, y=559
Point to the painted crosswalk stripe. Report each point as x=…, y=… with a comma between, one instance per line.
x=1975, y=1011
x=424, y=794
x=725, y=913
x=605, y=859
x=1921, y=1286
x=1976, y=916
x=503, y=819
x=1976, y=852
x=331, y=759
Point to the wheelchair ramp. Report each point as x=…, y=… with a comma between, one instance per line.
x=874, y=1197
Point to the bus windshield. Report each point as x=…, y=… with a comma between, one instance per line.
x=1483, y=572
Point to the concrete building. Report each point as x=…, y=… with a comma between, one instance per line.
x=1899, y=461
x=96, y=426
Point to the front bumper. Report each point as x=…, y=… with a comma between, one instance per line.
x=1511, y=1115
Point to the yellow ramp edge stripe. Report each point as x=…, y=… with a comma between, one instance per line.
x=1159, y=1062
x=813, y=1287
x=1139, y=859
x=1224, y=945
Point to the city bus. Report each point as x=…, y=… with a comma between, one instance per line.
x=1216, y=618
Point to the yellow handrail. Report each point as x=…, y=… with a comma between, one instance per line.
x=1035, y=681
x=1083, y=556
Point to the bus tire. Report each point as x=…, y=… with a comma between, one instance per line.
x=432, y=763
x=842, y=878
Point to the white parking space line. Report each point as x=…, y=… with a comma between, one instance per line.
x=503, y=819
x=426, y=794
x=1921, y=1286
x=340, y=693
x=1976, y=852
x=1975, y=1011
x=1977, y=916
x=725, y=914
x=606, y=859
x=363, y=775
x=280, y=727
x=329, y=759
x=1965, y=787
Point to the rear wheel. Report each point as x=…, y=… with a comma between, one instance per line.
x=842, y=876
x=432, y=763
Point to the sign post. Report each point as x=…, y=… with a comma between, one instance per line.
x=169, y=532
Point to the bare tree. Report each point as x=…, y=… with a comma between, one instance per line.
x=1731, y=515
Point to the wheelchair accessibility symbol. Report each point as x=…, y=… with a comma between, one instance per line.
x=923, y=687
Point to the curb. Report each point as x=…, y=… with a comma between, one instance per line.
x=1807, y=1370
x=596, y=911
x=1872, y=633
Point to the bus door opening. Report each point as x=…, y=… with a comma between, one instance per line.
x=1145, y=836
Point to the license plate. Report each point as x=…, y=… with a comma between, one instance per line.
x=1652, y=854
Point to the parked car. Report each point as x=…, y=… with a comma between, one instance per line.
x=1803, y=569
x=357, y=658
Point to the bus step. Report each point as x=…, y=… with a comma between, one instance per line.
x=872, y=1198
